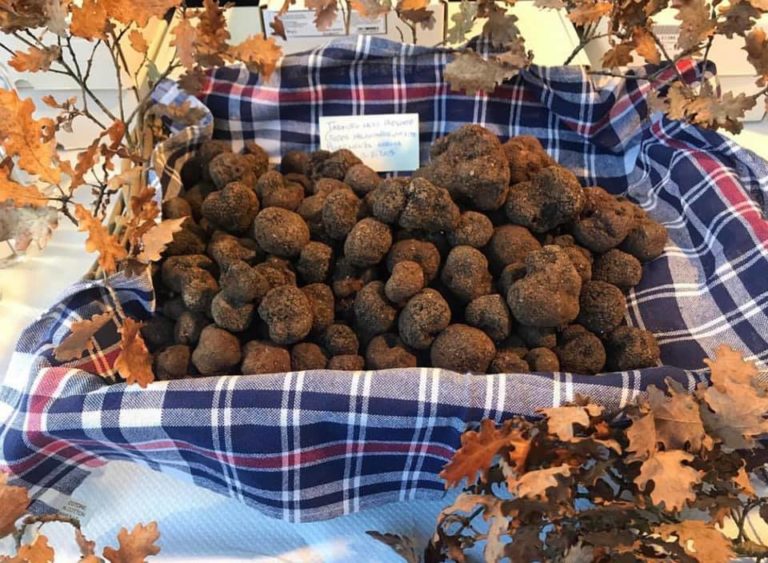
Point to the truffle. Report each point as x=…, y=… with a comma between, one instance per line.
x=210, y=149
x=474, y=229
x=535, y=337
x=425, y=254
x=228, y=167
x=172, y=363
x=466, y=273
x=551, y=198
x=294, y=162
x=602, y=307
x=339, y=214
x=241, y=283
x=425, y=315
x=362, y=179
x=389, y=199
x=185, y=242
x=510, y=244
x=288, y=314
x=346, y=278
x=257, y=157
x=629, y=347
x=508, y=360
x=260, y=357
x=580, y=351
x=618, y=268
x=407, y=280
x=646, y=240
x=526, y=157
x=188, y=327
x=387, y=351
x=339, y=339
x=367, y=243
x=605, y=221
x=175, y=269
x=234, y=317
x=280, y=232
x=462, y=348
x=226, y=249
x=373, y=313
x=176, y=208
x=322, y=305
x=542, y=359
x=490, y=314
x=347, y=362
x=198, y=291
x=273, y=191
x=157, y=332
x=217, y=352
x=231, y=209
x=581, y=260
x=314, y=264
x=306, y=356
x=335, y=165
x=428, y=208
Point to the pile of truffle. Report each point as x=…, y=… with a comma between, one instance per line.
x=491, y=258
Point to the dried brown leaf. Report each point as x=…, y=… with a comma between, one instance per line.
x=463, y=20
x=36, y=552
x=156, y=239
x=700, y=540
x=370, y=8
x=737, y=18
x=99, y=240
x=35, y=59
x=673, y=481
x=56, y=10
x=136, y=545
x=561, y=420
x=87, y=547
x=729, y=370
x=534, y=484
x=81, y=338
x=139, y=12
x=184, y=40
x=14, y=501
x=422, y=17
x=405, y=5
x=137, y=41
x=646, y=46
x=589, y=12
x=134, y=363
x=618, y=55
x=677, y=420
x=734, y=417
x=212, y=34
x=678, y=98
x=325, y=12
x=259, y=54
x=727, y=111
x=472, y=73
x=18, y=194
x=501, y=28
x=89, y=20
x=744, y=483
x=278, y=28
x=696, y=24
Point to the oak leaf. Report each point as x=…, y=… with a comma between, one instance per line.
x=156, y=239
x=618, y=55
x=646, y=46
x=726, y=111
x=561, y=420
x=18, y=194
x=184, y=36
x=673, y=481
x=18, y=15
x=35, y=59
x=137, y=41
x=259, y=54
x=81, y=338
x=370, y=8
x=729, y=370
x=463, y=21
x=471, y=73
x=744, y=483
x=678, y=98
x=696, y=23
x=131, y=11
x=99, y=240
x=700, y=540
x=87, y=547
x=643, y=442
x=677, y=419
x=404, y=546
x=422, y=17
x=500, y=28
x=136, y=545
x=36, y=552
x=14, y=501
x=736, y=417
x=589, y=12
x=56, y=10
x=534, y=484
x=89, y=20
x=492, y=513
x=134, y=363
x=212, y=34
x=737, y=18
x=526, y=544
x=325, y=13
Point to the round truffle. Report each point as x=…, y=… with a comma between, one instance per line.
x=295, y=162
x=526, y=157
x=226, y=249
x=362, y=179
x=368, y=243
x=347, y=362
x=199, y=289
x=542, y=359
x=172, y=363
x=474, y=229
x=387, y=351
x=261, y=357
x=490, y=314
x=228, y=167
x=240, y=283
x=508, y=360
x=389, y=199
x=428, y=208
x=425, y=315
x=602, y=307
x=217, y=352
x=551, y=198
x=466, y=273
x=314, y=263
x=618, y=268
x=630, y=347
x=306, y=356
x=232, y=208
x=280, y=232
x=339, y=339
x=188, y=327
x=407, y=280
x=288, y=314
x=463, y=349
x=605, y=221
x=373, y=313
x=580, y=351
x=646, y=240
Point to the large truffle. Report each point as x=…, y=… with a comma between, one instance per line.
x=260, y=357
x=510, y=244
x=462, y=348
x=551, y=198
x=288, y=314
x=217, y=352
x=425, y=315
x=232, y=208
x=335, y=165
x=631, y=348
x=466, y=273
x=605, y=221
x=601, y=307
x=367, y=243
x=490, y=314
x=280, y=232
x=428, y=208
x=198, y=291
x=580, y=351
x=387, y=351
x=526, y=157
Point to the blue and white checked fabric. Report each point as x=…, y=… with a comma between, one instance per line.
x=313, y=445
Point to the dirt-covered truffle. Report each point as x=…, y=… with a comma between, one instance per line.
x=630, y=347
x=228, y=167
x=241, y=283
x=389, y=199
x=322, y=305
x=601, y=307
x=185, y=241
x=474, y=229
x=542, y=359
x=172, y=363
x=335, y=165
x=314, y=264
x=262, y=357
x=374, y=314
x=232, y=208
x=466, y=273
x=175, y=269
x=367, y=243
x=295, y=162
x=463, y=349
x=234, y=317
x=550, y=198
x=339, y=214
x=346, y=278
x=407, y=280
x=362, y=179
x=581, y=259
x=226, y=250
x=157, y=332
x=548, y=295
x=428, y=208
x=580, y=351
x=306, y=356
x=176, y=208
x=470, y=163
x=188, y=327
x=490, y=314
x=274, y=191
x=618, y=268
x=646, y=240
x=173, y=308
x=347, y=362
x=210, y=149
x=217, y=352
x=526, y=157
x=510, y=244
x=605, y=221
x=425, y=315
x=288, y=314
x=339, y=339
x=536, y=337
x=258, y=158
x=280, y=232
x=424, y=253
x=275, y=275
x=199, y=289
x=508, y=360
x=509, y=275
x=387, y=351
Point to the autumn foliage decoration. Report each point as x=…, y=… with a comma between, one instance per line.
x=577, y=486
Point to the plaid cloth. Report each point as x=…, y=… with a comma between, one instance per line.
x=313, y=445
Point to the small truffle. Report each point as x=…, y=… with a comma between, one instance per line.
x=258, y=158
x=373, y=313
x=646, y=240
x=618, y=268
x=463, y=349
x=605, y=221
x=185, y=242
x=307, y=356
x=241, y=283
x=551, y=198
x=274, y=191
x=581, y=260
x=234, y=317
x=339, y=214
x=526, y=157
x=466, y=273
x=474, y=229
x=362, y=179
x=231, y=209
x=217, y=352
x=387, y=351
x=261, y=357
x=424, y=253
x=508, y=360
x=428, y=208
x=580, y=351
x=367, y=243
x=339, y=339
x=630, y=347
x=347, y=362
x=280, y=232
x=175, y=269
x=172, y=363
x=542, y=359
x=288, y=314
x=210, y=149
x=602, y=307
x=346, y=278
x=188, y=327
x=510, y=244
x=322, y=305
x=425, y=315
x=314, y=263
x=275, y=275
x=407, y=280
x=490, y=314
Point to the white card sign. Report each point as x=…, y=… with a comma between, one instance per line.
x=386, y=142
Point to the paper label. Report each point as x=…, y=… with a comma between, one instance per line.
x=301, y=23
x=386, y=143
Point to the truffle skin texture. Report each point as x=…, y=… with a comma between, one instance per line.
x=542, y=359
x=346, y=278
x=646, y=240
x=466, y=273
x=231, y=209
x=387, y=351
x=322, y=304
x=551, y=198
x=362, y=179
x=210, y=149
x=618, y=268
x=173, y=363
x=173, y=308
x=339, y=340
x=295, y=162
x=548, y=295
x=601, y=307
x=367, y=243
x=425, y=315
x=388, y=201
x=526, y=157
x=280, y=232
x=228, y=167
x=311, y=210
x=226, y=250
x=509, y=275
x=288, y=314
x=470, y=163
x=580, y=352
x=373, y=313
x=260, y=357
x=274, y=275
x=490, y=314
x=424, y=253
x=306, y=356
x=407, y=280
x=428, y=208
x=275, y=192
x=175, y=269
x=535, y=337
x=258, y=157
x=339, y=213
x=605, y=221
x=188, y=327
x=347, y=362
x=510, y=244
x=631, y=348
x=335, y=165
x=474, y=229
x=463, y=349
x=508, y=360
x=217, y=352
x=185, y=242
x=314, y=263
x=233, y=317
x=240, y=283
x=199, y=289
x=176, y=208
x=158, y=332
x=581, y=260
